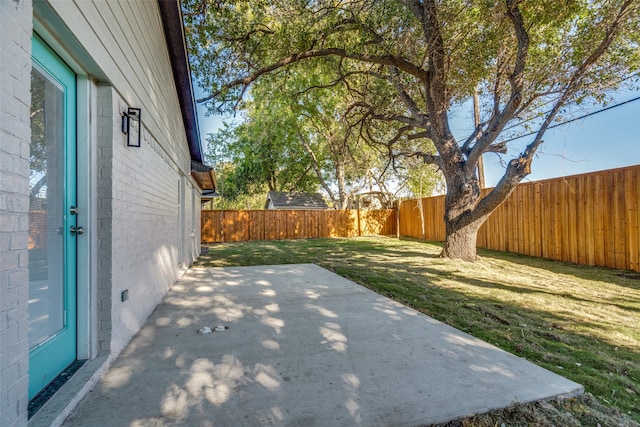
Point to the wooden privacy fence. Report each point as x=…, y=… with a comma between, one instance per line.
x=589, y=219
x=243, y=225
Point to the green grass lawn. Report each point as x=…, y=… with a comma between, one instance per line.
x=580, y=322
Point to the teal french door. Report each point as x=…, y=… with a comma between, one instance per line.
x=52, y=218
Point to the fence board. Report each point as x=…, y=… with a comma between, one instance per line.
x=619, y=220
x=525, y=222
x=598, y=213
x=637, y=260
x=546, y=222
x=572, y=236
x=561, y=208
x=587, y=231
x=631, y=218
x=560, y=219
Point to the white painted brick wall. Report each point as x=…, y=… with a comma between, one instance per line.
x=138, y=236
x=15, y=134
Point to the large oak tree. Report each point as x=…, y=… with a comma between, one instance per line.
x=408, y=63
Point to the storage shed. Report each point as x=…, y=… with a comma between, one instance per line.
x=299, y=201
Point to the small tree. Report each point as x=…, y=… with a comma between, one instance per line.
x=407, y=63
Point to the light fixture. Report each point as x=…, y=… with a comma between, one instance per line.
x=131, y=126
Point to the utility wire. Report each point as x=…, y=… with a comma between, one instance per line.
x=574, y=119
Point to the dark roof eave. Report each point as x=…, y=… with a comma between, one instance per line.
x=174, y=33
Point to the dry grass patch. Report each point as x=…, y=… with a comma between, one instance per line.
x=580, y=322
x=582, y=411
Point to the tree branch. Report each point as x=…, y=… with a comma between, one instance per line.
x=266, y=30
x=411, y=105
x=398, y=62
x=341, y=78
x=516, y=80
x=399, y=118
x=387, y=117
x=427, y=158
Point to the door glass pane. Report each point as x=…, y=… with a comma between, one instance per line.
x=46, y=209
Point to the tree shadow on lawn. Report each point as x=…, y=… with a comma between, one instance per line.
x=558, y=294
x=626, y=278
x=396, y=268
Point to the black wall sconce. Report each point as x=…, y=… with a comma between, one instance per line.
x=131, y=126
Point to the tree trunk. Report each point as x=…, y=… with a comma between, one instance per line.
x=462, y=217
x=342, y=194
x=466, y=211
x=460, y=243
x=316, y=167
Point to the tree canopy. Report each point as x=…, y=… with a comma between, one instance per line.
x=406, y=64
x=295, y=139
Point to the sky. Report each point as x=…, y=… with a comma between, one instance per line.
x=606, y=140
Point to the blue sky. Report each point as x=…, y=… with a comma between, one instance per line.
x=606, y=140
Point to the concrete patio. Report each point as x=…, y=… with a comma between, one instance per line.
x=304, y=347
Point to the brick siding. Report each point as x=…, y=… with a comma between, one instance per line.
x=15, y=134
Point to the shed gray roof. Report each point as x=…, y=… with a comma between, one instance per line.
x=282, y=200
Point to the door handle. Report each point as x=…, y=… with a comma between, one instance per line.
x=76, y=231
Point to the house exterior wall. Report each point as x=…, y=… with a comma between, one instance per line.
x=126, y=41
x=15, y=135
x=140, y=245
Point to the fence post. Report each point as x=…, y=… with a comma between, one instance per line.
x=222, y=224
x=399, y=205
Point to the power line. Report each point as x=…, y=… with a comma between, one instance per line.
x=574, y=119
